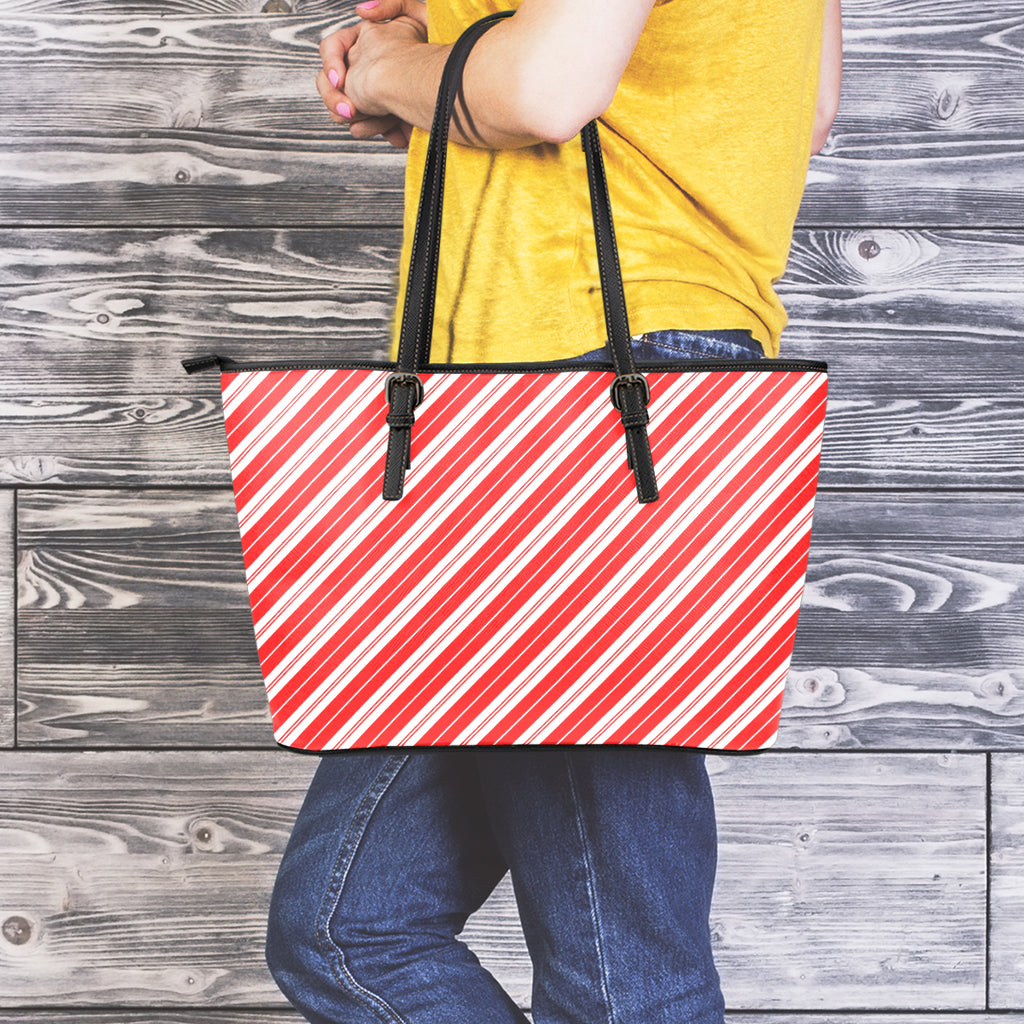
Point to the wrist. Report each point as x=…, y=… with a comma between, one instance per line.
x=410, y=78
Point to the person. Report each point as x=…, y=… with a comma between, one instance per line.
x=709, y=112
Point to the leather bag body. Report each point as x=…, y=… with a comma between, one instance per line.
x=562, y=553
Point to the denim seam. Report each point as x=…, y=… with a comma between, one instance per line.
x=591, y=889
x=339, y=875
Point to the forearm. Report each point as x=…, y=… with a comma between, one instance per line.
x=406, y=82
x=537, y=77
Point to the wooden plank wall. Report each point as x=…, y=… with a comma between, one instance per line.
x=169, y=186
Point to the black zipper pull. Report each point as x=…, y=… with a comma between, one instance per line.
x=200, y=363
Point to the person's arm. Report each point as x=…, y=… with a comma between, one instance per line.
x=537, y=77
x=830, y=75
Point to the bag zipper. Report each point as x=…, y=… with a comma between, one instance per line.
x=227, y=365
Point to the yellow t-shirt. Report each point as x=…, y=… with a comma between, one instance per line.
x=706, y=145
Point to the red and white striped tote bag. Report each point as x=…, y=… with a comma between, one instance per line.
x=539, y=554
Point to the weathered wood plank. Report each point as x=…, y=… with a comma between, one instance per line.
x=924, y=89
x=209, y=1015
x=911, y=624
x=205, y=1015
x=1006, y=899
x=900, y=590
x=143, y=878
x=137, y=602
x=860, y=15
x=800, y=856
x=197, y=178
x=7, y=614
x=173, y=8
x=160, y=440
x=134, y=625
x=110, y=313
x=923, y=330
x=170, y=8
x=115, y=310
x=950, y=86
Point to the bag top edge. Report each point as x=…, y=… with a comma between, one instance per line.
x=768, y=365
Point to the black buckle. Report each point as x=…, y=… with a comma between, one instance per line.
x=629, y=380
x=404, y=378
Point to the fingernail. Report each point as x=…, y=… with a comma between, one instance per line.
x=333, y=77
x=369, y=5
x=344, y=109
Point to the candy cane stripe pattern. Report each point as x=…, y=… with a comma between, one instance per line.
x=517, y=592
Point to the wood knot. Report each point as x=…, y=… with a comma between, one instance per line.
x=869, y=249
x=182, y=177
x=819, y=688
x=17, y=930
x=946, y=104
x=277, y=7
x=205, y=836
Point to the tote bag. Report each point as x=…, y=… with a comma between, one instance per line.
x=557, y=553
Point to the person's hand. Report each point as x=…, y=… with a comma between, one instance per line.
x=349, y=82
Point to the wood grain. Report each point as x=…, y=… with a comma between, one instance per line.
x=911, y=624
x=197, y=178
x=115, y=310
x=199, y=1015
x=188, y=1015
x=7, y=616
x=800, y=857
x=922, y=330
x=1006, y=899
x=194, y=178
x=210, y=117
x=142, y=879
x=134, y=625
x=866, y=16
x=134, y=604
x=111, y=313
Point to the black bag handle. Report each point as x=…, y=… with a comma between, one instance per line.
x=629, y=393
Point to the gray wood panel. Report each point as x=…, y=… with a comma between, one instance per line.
x=142, y=878
x=192, y=177
x=1006, y=898
x=186, y=176
x=114, y=310
x=924, y=88
x=134, y=625
x=871, y=18
x=135, y=614
x=912, y=624
x=202, y=1015
x=922, y=330
x=109, y=313
x=7, y=615
x=866, y=890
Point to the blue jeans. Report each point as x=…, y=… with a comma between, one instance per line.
x=612, y=853
x=677, y=344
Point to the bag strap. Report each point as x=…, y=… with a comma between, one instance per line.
x=629, y=392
